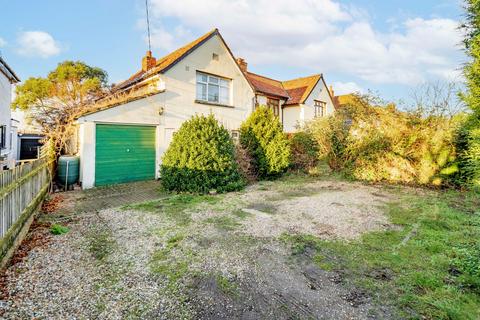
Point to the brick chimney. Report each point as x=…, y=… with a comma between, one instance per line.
x=242, y=64
x=332, y=93
x=148, y=62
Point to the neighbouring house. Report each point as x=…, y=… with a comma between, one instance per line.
x=8, y=126
x=295, y=101
x=124, y=138
x=30, y=137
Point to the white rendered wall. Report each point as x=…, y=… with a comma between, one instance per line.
x=176, y=104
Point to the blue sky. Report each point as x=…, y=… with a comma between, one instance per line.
x=387, y=46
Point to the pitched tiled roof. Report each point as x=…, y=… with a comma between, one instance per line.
x=296, y=91
x=266, y=85
x=296, y=95
x=165, y=63
x=300, y=88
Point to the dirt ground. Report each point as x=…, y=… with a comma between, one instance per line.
x=197, y=257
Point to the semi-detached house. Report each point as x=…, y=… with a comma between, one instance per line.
x=124, y=138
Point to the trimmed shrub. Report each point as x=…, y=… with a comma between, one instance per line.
x=201, y=158
x=262, y=136
x=304, y=151
x=379, y=143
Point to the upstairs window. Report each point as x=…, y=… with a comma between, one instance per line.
x=320, y=108
x=213, y=89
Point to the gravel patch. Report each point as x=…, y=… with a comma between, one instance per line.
x=119, y=263
x=65, y=281
x=324, y=209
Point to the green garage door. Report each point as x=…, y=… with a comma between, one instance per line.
x=124, y=153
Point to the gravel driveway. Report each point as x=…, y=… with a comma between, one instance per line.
x=190, y=257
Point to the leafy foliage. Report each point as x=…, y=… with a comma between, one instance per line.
x=375, y=142
x=304, y=149
x=468, y=143
x=262, y=135
x=55, y=101
x=201, y=157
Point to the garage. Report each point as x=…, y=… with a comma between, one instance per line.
x=124, y=153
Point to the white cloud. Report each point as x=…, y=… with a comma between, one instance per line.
x=3, y=43
x=37, y=43
x=320, y=36
x=346, y=88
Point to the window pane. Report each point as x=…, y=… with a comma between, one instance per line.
x=212, y=79
x=224, y=83
x=213, y=93
x=201, y=91
x=224, y=93
x=201, y=77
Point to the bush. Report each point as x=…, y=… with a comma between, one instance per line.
x=468, y=144
x=304, y=151
x=379, y=143
x=469, y=135
x=262, y=136
x=201, y=157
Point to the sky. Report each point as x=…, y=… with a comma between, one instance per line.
x=389, y=47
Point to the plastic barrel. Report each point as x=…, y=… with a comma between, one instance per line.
x=68, y=169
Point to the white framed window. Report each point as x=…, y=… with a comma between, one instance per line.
x=213, y=89
x=320, y=108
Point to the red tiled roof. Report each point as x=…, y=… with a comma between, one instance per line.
x=296, y=95
x=266, y=85
x=295, y=91
x=301, y=88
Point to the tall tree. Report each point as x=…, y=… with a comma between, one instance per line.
x=55, y=101
x=469, y=135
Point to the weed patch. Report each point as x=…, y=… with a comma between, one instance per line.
x=58, y=229
x=176, y=207
x=227, y=286
x=239, y=213
x=100, y=243
x=224, y=223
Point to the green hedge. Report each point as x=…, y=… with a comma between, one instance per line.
x=201, y=158
x=262, y=135
x=305, y=151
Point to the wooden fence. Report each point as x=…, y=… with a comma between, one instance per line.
x=22, y=189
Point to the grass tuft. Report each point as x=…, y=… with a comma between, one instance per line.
x=58, y=229
x=224, y=223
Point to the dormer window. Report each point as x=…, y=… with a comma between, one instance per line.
x=213, y=89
